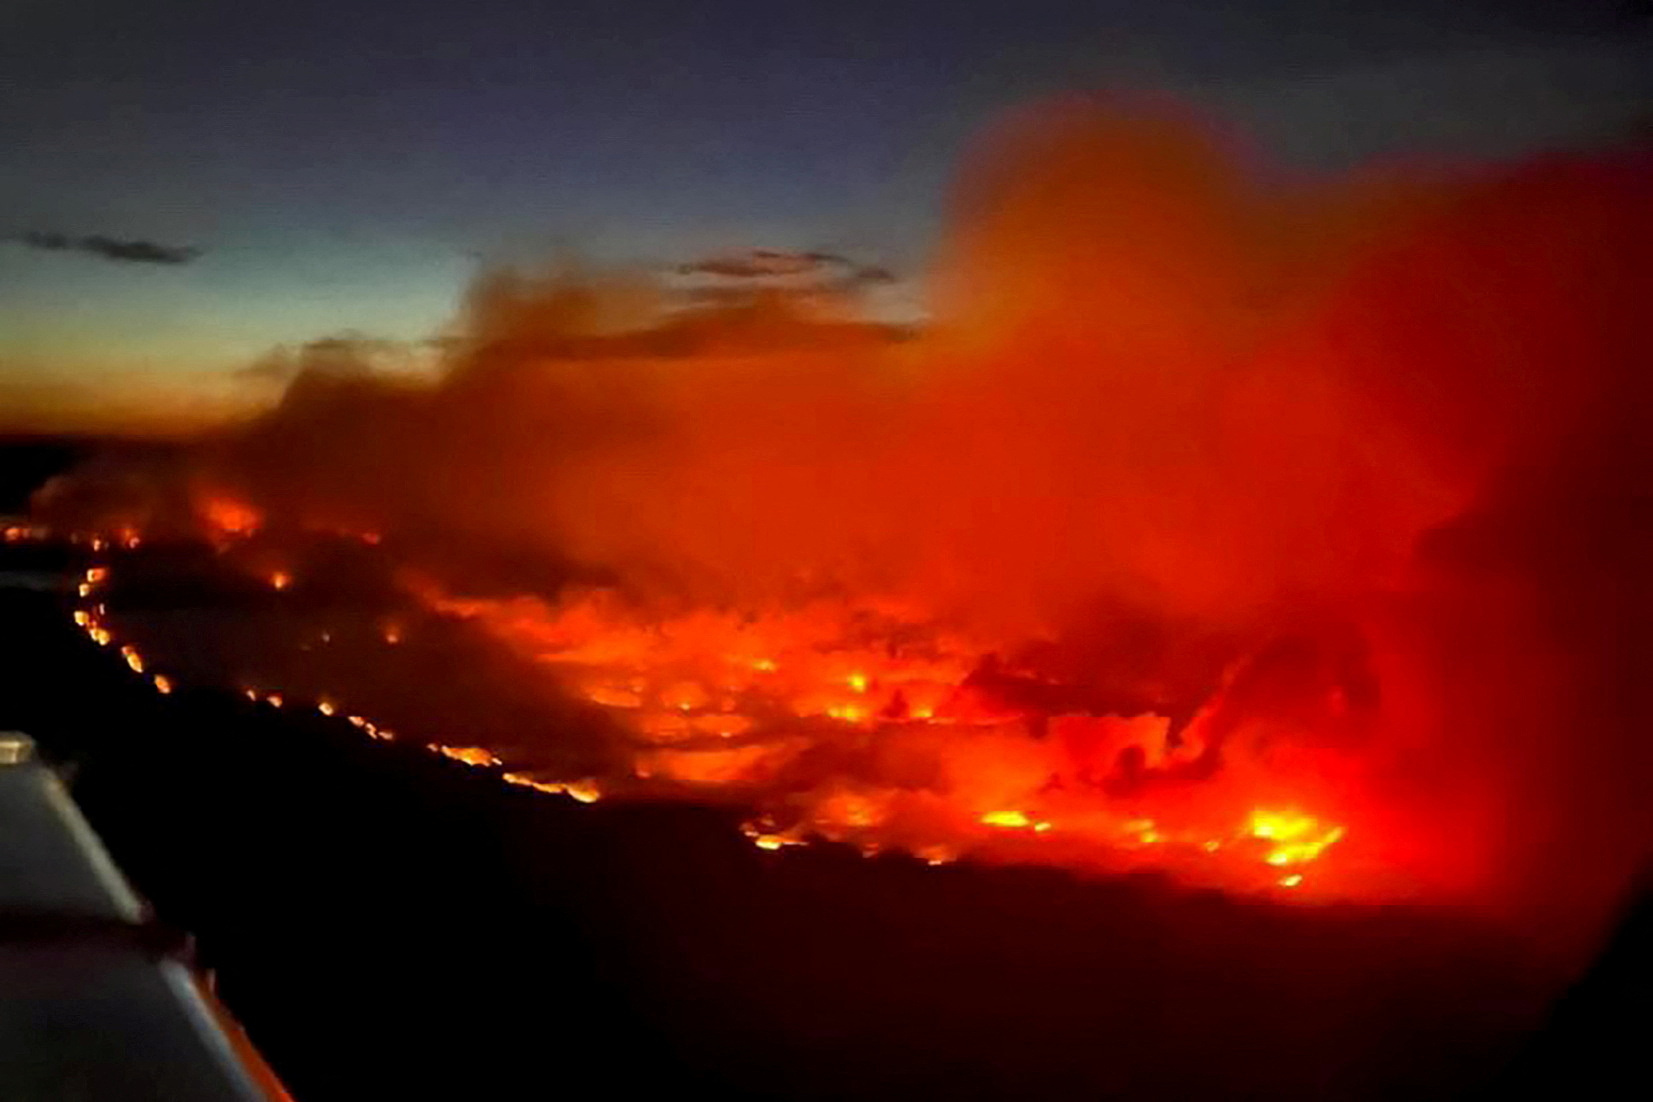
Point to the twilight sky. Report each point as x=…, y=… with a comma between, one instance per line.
x=345, y=165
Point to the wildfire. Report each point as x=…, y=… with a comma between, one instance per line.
x=1026, y=584
x=863, y=723
x=864, y=720
x=888, y=735
x=229, y=518
x=469, y=755
x=1293, y=839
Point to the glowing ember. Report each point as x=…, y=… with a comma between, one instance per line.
x=586, y=791
x=227, y=517
x=525, y=781
x=470, y=755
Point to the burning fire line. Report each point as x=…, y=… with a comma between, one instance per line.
x=1280, y=839
x=90, y=618
x=703, y=693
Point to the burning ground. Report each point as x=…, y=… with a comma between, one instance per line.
x=1282, y=536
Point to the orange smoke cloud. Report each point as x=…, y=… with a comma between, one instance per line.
x=1165, y=414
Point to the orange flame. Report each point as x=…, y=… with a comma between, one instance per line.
x=228, y=517
x=726, y=702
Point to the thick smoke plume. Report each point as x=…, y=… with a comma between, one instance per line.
x=1167, y=409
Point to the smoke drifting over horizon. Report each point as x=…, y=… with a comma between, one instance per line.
x=1164, y=411
x=132, y=251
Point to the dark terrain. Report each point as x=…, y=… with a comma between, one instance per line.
x=387, y=923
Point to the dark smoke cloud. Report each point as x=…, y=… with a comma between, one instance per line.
x=760, y=263
x=110, y=248
x=818, y=280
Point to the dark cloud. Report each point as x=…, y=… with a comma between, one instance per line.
x=110, y=248
x=768, y=263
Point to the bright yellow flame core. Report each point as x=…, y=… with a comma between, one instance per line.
x=1295, y=838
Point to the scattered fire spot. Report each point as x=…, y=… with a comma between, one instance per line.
x=470, y=755
x=586, y=791
x=227, y=517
